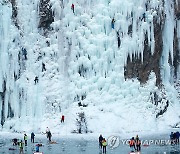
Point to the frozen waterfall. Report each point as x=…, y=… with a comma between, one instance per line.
x=118, y=75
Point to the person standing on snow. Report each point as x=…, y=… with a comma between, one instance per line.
x=49, y=135
x=172, y=137
x=104, y=145
x=47, y=130
x=100, y=141
x=32, y=137
x=25, y=139
x=137, y=137
x=138, y=144
x=21, y=147
x=177, y=137
x=132, y=144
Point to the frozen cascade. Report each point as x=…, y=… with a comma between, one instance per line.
x=126, y=73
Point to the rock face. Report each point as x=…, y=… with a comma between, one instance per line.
x=136, y=68
x=2, y=97
x=141, y=70
x=46, y=14
x=176, y=60
x=14, y=13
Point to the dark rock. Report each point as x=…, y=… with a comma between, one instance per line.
x=130, y=30
x=176, y=53
x=14, y=13
x=2, y=95
x=136, y=68
x=178, y=16
x=46, y=15
x=81, y=123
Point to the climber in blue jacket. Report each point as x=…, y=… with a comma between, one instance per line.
x=112, y=23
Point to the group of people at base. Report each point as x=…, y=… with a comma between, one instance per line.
x=174, y=137
x=21, y=143
x=102, y=143
x=135, y=144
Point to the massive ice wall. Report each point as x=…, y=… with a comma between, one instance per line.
x=91, y=64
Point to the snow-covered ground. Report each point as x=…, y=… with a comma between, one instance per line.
x=84, y=68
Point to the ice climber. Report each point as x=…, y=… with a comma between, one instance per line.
x=24, y=51
x=43, y=67
x=144, y=17
x=72, y=7
x=112, y=23
x=36, y=80
x=62, y=119
x=118, y=39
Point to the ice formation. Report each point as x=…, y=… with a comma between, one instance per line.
x=88, y=64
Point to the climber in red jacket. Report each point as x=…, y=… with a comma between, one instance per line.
x=72, y=7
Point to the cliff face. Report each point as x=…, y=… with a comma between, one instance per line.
x=136, y=67
x=176, y=45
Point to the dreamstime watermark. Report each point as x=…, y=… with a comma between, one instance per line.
x=115, y=141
